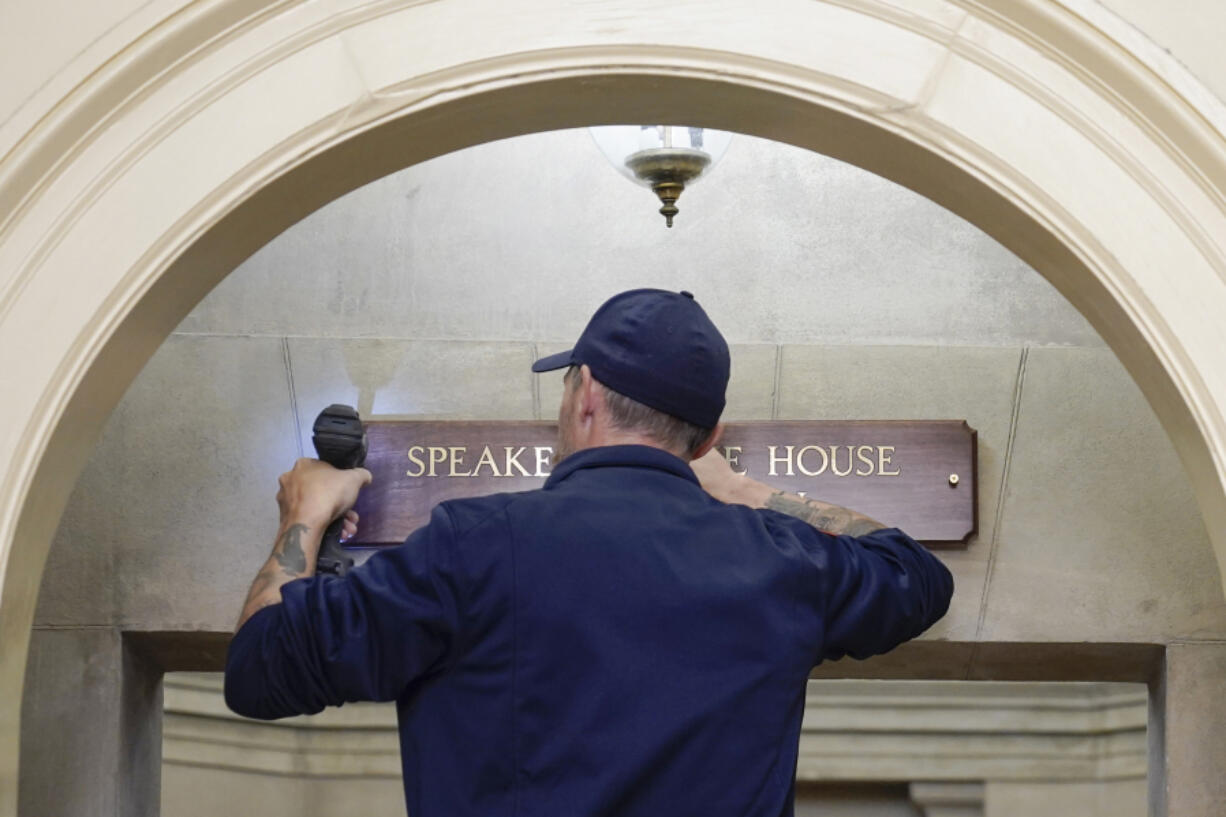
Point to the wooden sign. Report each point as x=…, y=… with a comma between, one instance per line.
x=916, y=475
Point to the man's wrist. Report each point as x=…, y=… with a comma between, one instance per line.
x=312, y=520
x=738, y=489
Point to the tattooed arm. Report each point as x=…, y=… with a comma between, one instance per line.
x=312, y=494
x=822, y=515
x=293, y=557
x=881, y=587
x=721, y=482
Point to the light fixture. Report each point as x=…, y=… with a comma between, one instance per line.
x=663, y=157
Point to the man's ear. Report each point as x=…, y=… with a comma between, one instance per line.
x=588, y=395
x=710, y=442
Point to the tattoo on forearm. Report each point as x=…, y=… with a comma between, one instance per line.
x=823, y=515
x=287, y=562
x=289, y=553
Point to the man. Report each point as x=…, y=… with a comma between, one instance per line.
x=621, y=642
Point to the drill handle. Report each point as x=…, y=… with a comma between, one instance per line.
x=332, y=557
x=340, y=441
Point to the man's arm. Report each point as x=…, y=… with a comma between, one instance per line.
x=311, y=495
x=719, y=480
x=881, y=587
x=365, y=637
x=293, y=557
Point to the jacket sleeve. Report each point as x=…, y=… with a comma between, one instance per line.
x=887, y=589
x=365, y=636
x=878, y=590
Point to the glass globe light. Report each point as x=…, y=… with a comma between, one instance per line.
x=663, y=157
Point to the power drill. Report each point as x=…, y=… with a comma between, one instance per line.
x=340, y=441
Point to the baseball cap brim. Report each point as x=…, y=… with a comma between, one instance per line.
x=551, y=362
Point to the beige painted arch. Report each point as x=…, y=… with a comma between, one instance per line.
x=1085, y=152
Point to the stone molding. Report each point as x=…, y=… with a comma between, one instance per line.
x=1111, y=188
x=853, y=731
x=949, y=799
x=951, y=731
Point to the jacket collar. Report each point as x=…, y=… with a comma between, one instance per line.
x=621, y=456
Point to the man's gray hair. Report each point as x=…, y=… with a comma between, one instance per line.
x=629, y=414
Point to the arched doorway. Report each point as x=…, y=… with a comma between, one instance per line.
x=1034, y=125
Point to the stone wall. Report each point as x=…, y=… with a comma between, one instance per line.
x=428, y=293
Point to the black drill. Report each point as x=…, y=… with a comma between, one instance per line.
x=340, y=441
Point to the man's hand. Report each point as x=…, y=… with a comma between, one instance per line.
x=721, y=482
x=315, y=493
x=311, y=495
x=718, y=479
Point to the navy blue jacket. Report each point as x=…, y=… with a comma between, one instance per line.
x=617, y=643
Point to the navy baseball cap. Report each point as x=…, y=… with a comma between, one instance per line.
x=656, y=347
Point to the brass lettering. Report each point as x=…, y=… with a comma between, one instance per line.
x=834, y=460
x=782, y=460
x=457, y=460
x=800, y=460
x=864, y=460
x=438, y=455
x=883, y=459
x=513, y=460
x=543, y=454
x=775, y=460
x=415, y=457
x=486, y=458
x=732, y=455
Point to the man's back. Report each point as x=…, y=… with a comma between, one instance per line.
x=655, y=646
x=618, y=643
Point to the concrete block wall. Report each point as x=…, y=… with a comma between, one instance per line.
x=428, y=293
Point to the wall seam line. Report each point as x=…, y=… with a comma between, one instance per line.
x=536, y=381
x=775, y=384
x=808, y=342
x=1018, y=385
x=293, y=393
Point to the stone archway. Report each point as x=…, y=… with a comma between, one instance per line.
x=216, y=131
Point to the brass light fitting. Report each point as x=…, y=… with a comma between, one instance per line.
x=666, y=171
x=666, y=158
